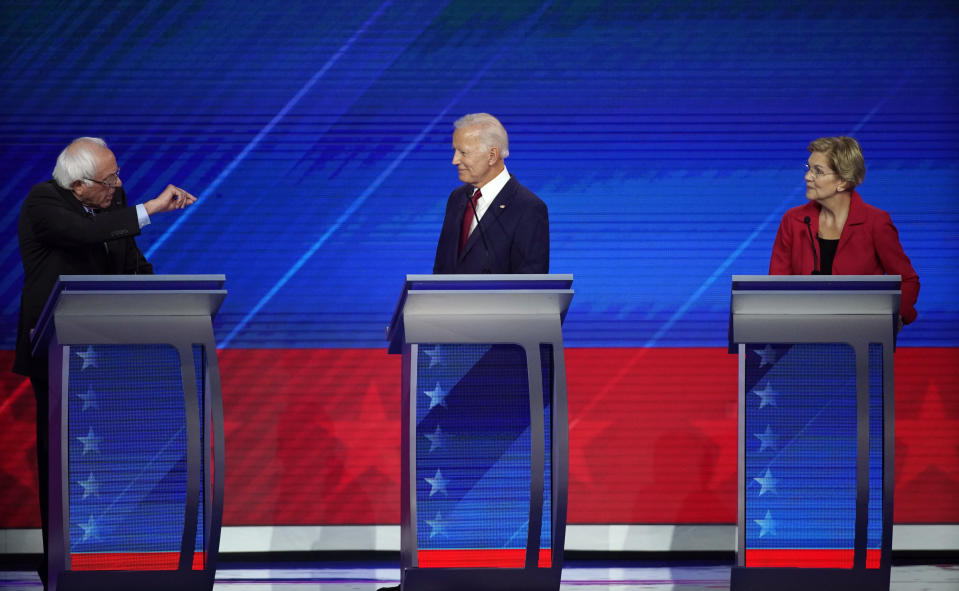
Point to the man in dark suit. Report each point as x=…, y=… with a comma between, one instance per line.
x=77, y=223
x=493, y=224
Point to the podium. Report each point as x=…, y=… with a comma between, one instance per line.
x=136, y=431
x=484, y=430
x=816, y=435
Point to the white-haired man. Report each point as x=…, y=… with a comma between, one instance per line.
x=77, y=223
x=493, y=224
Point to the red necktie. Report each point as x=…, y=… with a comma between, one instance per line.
x=468, y=219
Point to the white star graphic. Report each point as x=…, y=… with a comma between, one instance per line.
x=766, y=525
x=89, y=357
x=437, y=396
x=90, y=530
x=767, y=439
x=437, y=483
x=91, y=442
x=436, y=355
x=767, y=396
x=89, y=399
x=437, y=438
x=767, y=355
x=90, y=486
x=767, y=484
x=437, y=526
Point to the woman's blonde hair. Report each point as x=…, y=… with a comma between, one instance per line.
x=844, y=156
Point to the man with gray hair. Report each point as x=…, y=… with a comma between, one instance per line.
x=493, y=224
x=77, y=223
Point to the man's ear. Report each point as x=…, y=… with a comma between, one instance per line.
x=78, y=187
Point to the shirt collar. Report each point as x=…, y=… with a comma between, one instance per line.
x=492, y=188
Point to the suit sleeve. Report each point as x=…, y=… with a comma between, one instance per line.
x=54, y=223
x=781, y=261
x=445, y=259
x=530, y=252
x=134, y=262
x=894, y=261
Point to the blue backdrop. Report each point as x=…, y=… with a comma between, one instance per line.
x=666, y=138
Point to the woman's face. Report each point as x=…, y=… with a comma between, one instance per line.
x=822, y=181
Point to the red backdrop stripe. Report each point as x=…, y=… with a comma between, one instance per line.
x=312, y=437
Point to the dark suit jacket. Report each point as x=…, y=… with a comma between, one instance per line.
x=869, y=245
x=516, y=231
x=58, y=237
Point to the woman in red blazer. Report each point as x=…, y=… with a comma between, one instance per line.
x=836, y=232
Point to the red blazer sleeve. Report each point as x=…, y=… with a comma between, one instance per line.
x=894, y=261
x=781, y=261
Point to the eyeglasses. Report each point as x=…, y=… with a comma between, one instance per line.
x=816, y=170
x=110, y=182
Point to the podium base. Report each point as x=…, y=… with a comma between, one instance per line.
x=481, y=579
x=804, y=579
x=138, y=580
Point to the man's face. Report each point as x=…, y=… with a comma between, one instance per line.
x=474, y=162
x=99, y=194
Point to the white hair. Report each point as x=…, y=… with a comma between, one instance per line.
x=491, y=131
x=77, y=162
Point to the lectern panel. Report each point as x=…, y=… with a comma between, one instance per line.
x=472, y=455
x=546, y=531
x=800, y=455
x=876, y=442
x=200, y=377
x=127, y=464
x=815, y=431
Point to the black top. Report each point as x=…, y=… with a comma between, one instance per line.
x=827, y=252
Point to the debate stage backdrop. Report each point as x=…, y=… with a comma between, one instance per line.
x=666, y=137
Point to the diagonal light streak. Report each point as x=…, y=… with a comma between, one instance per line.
x=185, y=214
x=627, y=367
x=370, y=190
x=782, y=448
x=524, y=528
x=143, y=470
x=780, y=209
x=342, y=219
x=13, y=396
x=720, y=271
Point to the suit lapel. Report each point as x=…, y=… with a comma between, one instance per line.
x=495, y=209
x=70, y=199
x=854, y=222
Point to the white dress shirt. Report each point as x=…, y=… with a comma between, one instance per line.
x=490, y=191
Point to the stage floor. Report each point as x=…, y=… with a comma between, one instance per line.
x=576, y=577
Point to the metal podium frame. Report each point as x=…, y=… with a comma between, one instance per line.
x=526, y=310
x=849, y=309
x=172, y=310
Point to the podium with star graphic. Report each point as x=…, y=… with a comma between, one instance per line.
x=815, y=430
x=136, y=431
x=484, y=430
